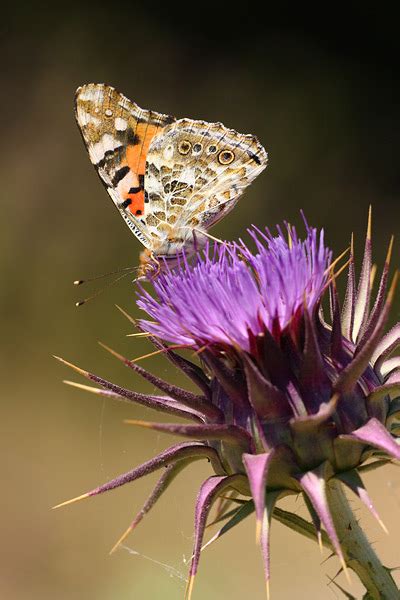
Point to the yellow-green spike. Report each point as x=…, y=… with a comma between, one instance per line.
x=111, y=351
x=369, y=226
x=319, y=540
x=333, y=264
x=72, y=500
x=127, y=315
x=139, y=334
x=148, y=355
x=389, y=252
x=72, y=366
x=258, y=531
x=345, y=570
x=87, y=388
x=121, y=539
x=139, y=423
x=336, y=275
x=392, y=289
x=189, y=587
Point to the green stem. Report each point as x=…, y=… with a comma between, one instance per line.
x=358, y=553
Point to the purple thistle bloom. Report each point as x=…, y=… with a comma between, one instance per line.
x=235, y=293
x=289, y=399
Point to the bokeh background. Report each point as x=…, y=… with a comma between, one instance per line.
x=321, y=94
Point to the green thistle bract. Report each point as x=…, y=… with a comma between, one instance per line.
x=288, y=399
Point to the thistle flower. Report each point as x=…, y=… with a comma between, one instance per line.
x=289, y=399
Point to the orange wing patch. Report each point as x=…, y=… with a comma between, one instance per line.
x=136, y=154
x=136, y=206
x=136, y=161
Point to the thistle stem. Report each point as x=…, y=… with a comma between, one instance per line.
x=358, y=552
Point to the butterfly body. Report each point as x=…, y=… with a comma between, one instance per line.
x=170, y=179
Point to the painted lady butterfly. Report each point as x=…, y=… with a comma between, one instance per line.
x=170, y=179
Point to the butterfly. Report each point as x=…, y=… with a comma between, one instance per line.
x=171, y=179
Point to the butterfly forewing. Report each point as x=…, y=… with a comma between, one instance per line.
x=117, y=134
x=196, y=172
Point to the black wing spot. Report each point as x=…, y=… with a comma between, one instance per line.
x=126, y=203
x=131, y=137
x=110, y=154
x=134, y=190
x=120, y=174
x=255, y=157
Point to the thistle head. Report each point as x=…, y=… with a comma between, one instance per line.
x=296, y=387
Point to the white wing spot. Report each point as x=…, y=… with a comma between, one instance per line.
x=120, y=124
x=90, y=94
x=107, y=142
x=88, y=118
x=168, y=152
x=108, y=112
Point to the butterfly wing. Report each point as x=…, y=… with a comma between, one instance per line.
x=196, y=172
x=117, y=134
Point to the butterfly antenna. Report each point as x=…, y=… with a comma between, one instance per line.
x=125, y=269
x=108, y=285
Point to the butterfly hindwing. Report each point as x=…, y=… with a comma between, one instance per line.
x=117, y=134
x=196, y=172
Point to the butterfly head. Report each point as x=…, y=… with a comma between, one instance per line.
x=170, y=250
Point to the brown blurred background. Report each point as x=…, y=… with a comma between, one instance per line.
x=322, y=97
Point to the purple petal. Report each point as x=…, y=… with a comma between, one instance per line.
x=270, y=501
x=390, y=388
x=314, y=518
x=388, y=344
x=231, y=434
x=312, y=371
x=256, y=466
x=219, y=300
x=266, y=399
x=361, y=308
x=375, y=434
x=191, y=370
x=337, y=337
x=171, y=455
x=349, y=300
x=193, y=401
x=314, y=485
x=157, y=402
x=380, y=299
x=208, y=493
x=389, y=365
x=160, y=403
x=324, y=412
x=348, y=378
x=228, y=379
x=355, y=484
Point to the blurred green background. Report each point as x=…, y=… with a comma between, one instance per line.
x=322, y=97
